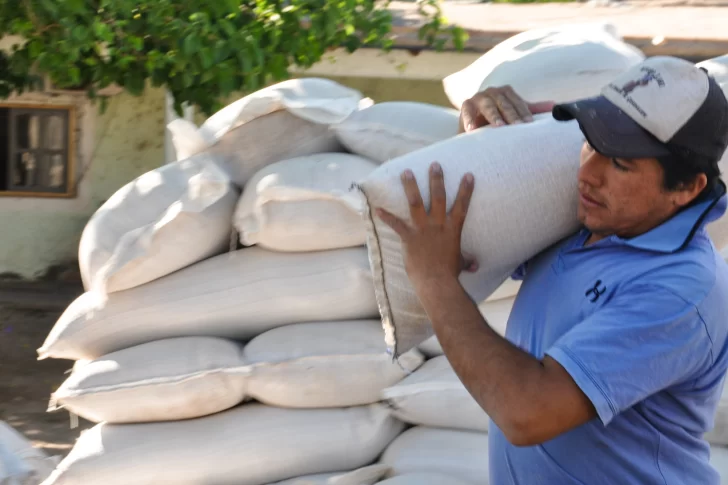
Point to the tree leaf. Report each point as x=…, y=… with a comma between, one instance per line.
x=207, y=58
x=198, y=50
x=190, y=45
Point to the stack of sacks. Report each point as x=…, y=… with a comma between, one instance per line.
x=460, y=457
x=389, y=130
x=271, y=356
x=285, y=120
x=560, y=63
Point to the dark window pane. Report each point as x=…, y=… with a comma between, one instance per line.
x=28, y=131
x=4, y=147
x=36, y=149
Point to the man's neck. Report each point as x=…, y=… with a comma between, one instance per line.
x=594, y=238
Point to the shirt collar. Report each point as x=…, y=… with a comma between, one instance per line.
x=675, y=233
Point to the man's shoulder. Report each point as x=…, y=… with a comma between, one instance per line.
x=694, y=273
x=697, y=277
x=522, y=271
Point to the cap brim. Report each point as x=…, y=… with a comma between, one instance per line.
x=609, y=130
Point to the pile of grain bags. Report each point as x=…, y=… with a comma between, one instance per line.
x=270, y=356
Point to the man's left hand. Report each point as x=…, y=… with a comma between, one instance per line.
x=431, y=245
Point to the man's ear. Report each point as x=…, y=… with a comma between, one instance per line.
x=687, y=192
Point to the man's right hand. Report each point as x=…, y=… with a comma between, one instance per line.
x=498, y=107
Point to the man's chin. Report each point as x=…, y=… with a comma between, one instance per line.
x=592, y=226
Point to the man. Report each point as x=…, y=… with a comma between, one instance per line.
x=616, y=347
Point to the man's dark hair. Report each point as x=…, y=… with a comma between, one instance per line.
x=682, y=170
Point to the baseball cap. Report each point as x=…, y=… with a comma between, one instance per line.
x=662, y=106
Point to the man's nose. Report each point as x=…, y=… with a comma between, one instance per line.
x=592, y=168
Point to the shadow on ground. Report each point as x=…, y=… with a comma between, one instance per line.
x=26, y=383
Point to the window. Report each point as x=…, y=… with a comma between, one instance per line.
x=36, y=151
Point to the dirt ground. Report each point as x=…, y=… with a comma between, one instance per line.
x=26, y=383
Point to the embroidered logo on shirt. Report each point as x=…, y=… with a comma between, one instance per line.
x=594, y=293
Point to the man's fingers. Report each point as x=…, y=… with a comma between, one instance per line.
x=469, y=263
x=468, y=115
x=438, y=198
x=397, y=224
x=542, y=107
x=489, y=110
x=412, y=191
x=518, y=103
x=506, y=108
x=462, y=202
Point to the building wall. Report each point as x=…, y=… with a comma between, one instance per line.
x=112, y=149
x=392, y=89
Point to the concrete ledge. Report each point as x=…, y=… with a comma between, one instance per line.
x=694, y=33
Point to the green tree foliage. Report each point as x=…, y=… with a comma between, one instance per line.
x=200, y=50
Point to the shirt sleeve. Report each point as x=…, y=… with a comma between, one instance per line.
x=638, y=344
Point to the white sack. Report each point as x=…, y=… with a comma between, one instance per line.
x=525, y=199
x=495, y=312
x=164, y=380
x=285, y=120
x=719, y=461
x=248, y=445
x=459, y=454
x=304, y=204
x=560, y=63
x=20, y=463
x=718, y=68
x=326, y=364
x=719, y=434
x=389, y=130
x=434, y=396
x=236, y=295
x=427, y=478
x=368, y=475
x=163, y=221
x=12, y=469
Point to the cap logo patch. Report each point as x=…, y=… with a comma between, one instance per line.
x=648, y=76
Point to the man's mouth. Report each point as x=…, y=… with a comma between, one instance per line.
x=589, y=201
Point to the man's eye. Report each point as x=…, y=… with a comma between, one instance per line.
x=618, y=165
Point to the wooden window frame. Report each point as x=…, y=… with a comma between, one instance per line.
x=70, y=134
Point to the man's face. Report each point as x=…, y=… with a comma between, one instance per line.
x=623, y=197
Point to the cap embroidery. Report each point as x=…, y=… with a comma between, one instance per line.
x=648, y=76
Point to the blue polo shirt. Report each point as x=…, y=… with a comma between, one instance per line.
x=642, y=326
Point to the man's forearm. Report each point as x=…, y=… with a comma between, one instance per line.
x=512, y=386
